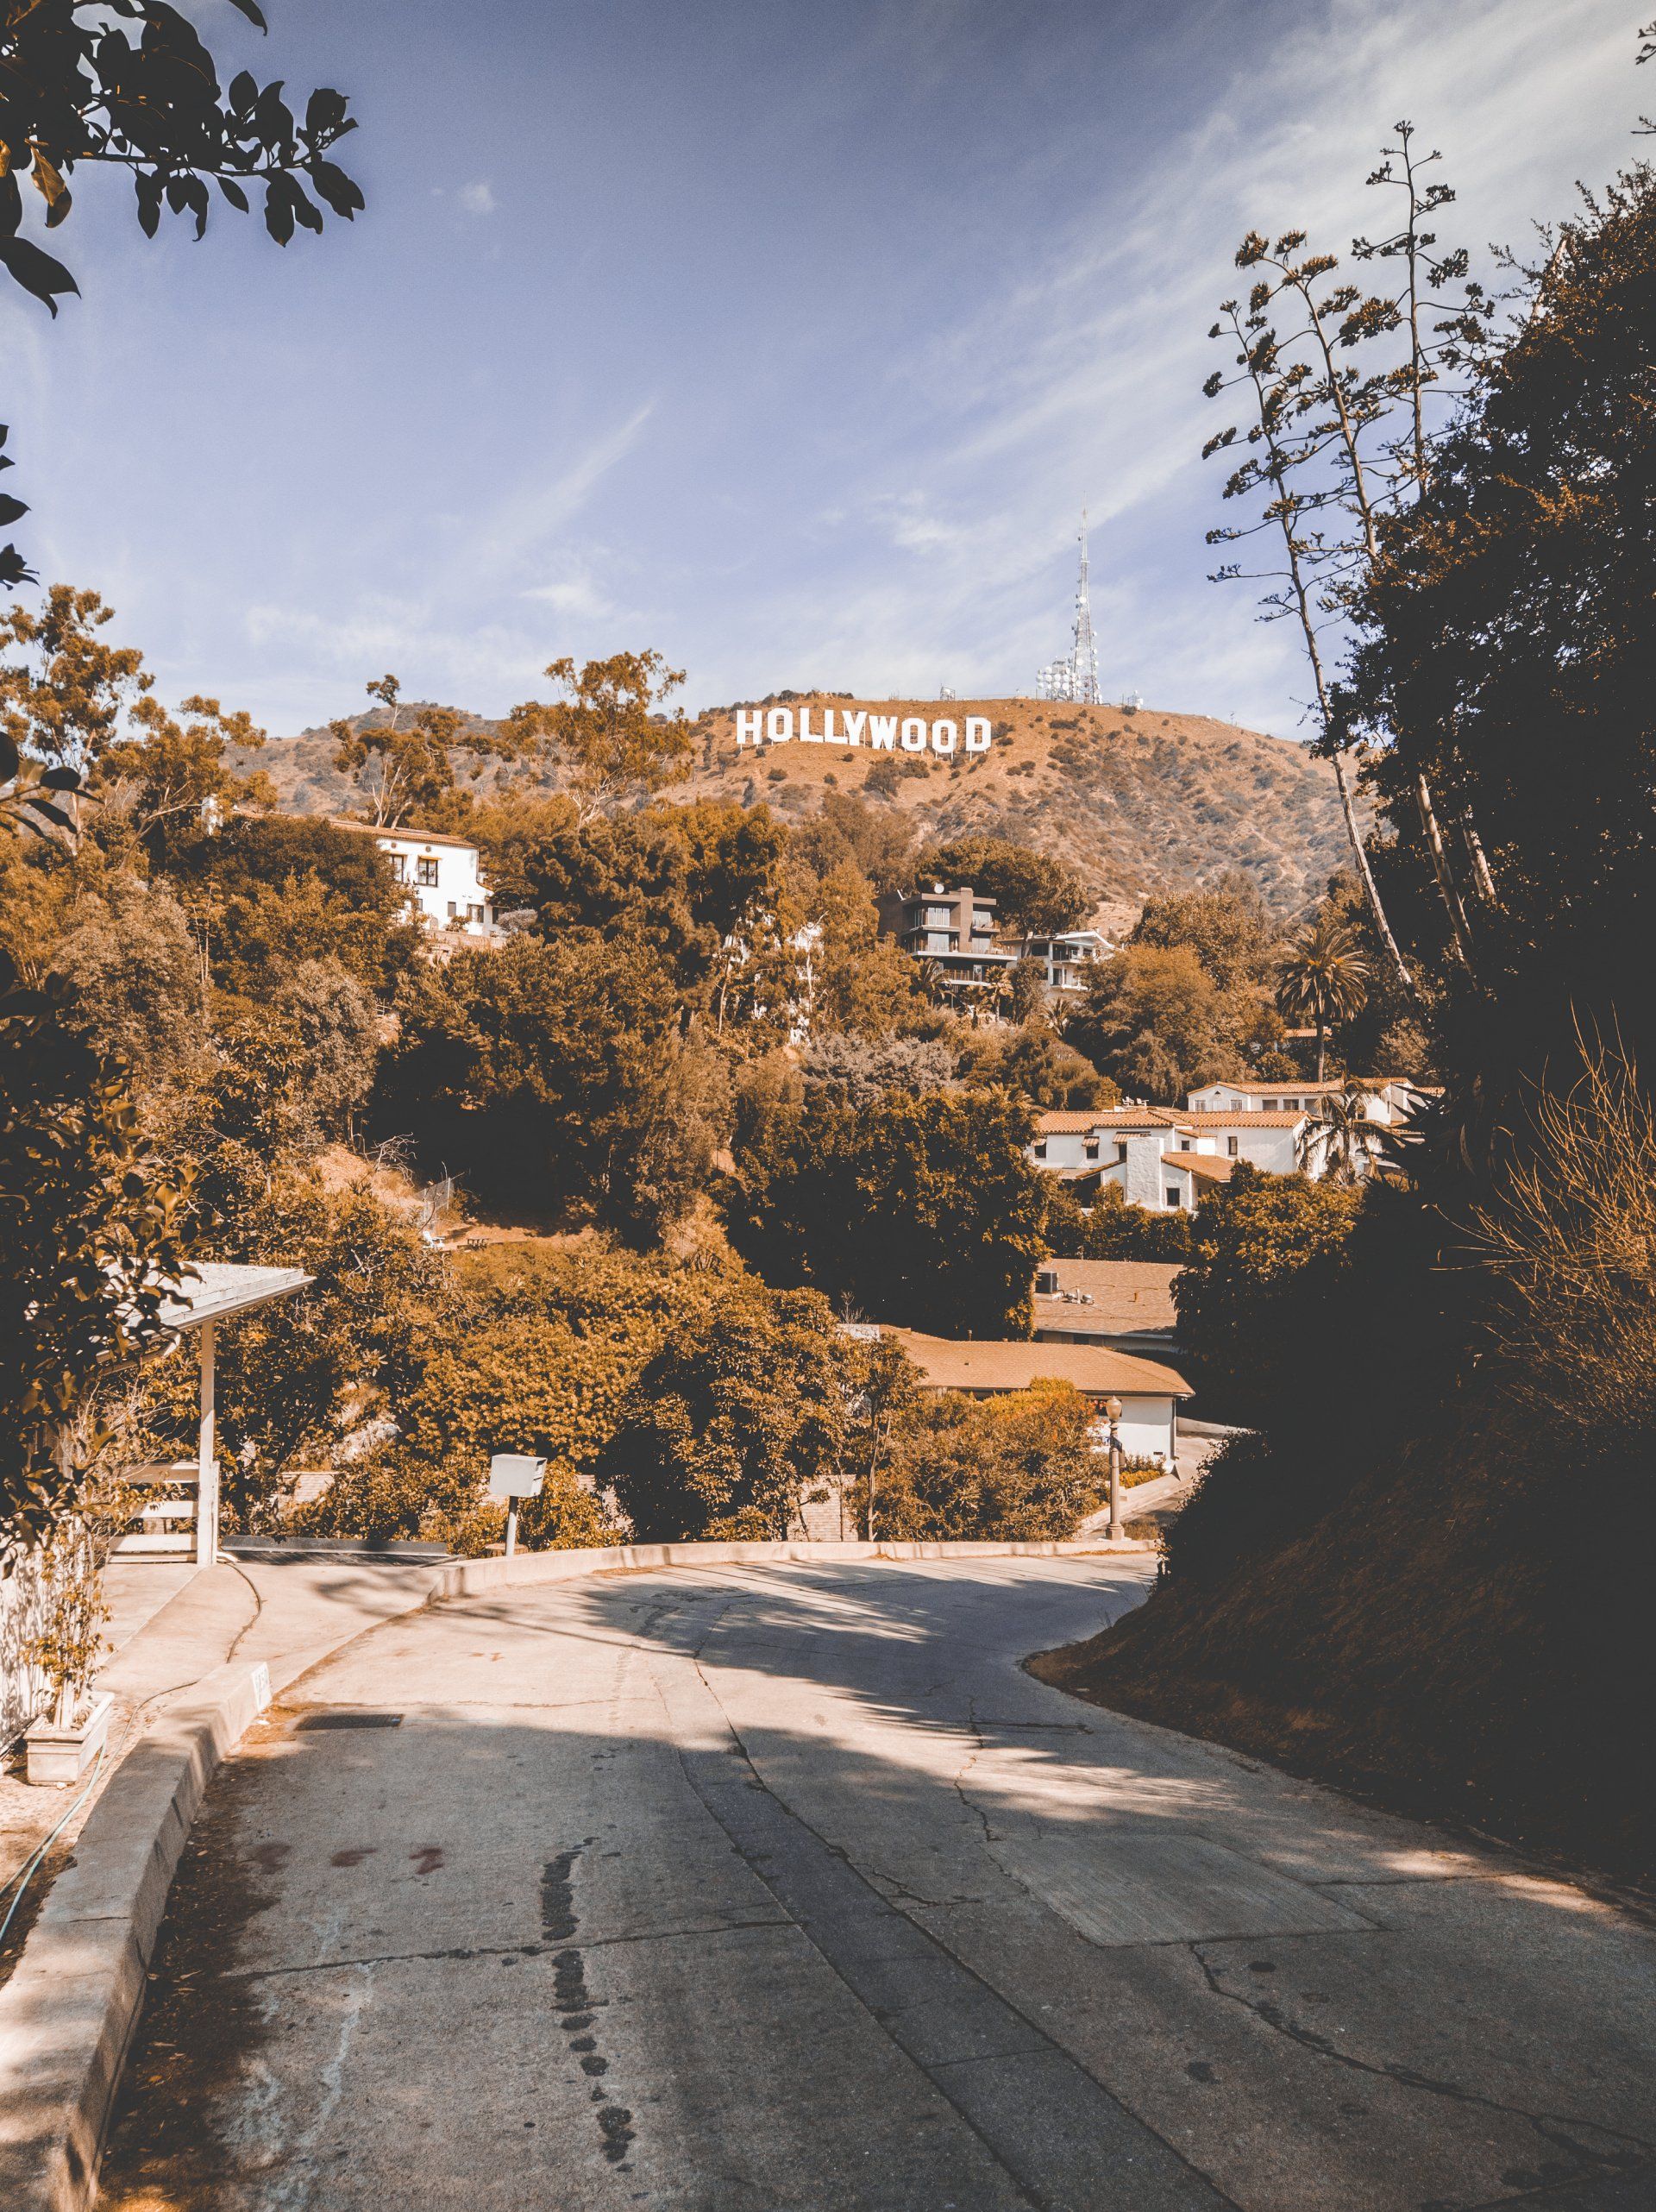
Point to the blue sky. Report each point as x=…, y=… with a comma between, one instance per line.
x=788, y=338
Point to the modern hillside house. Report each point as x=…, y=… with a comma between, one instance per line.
x=447, y=893
x=955, y=929
x=1065, y=961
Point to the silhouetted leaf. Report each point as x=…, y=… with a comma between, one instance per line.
x=279, y=211
x=11, y=206
x=36, y=271
x=52, y=191
x=253, y=12
x=233, y=193
x=244, y=91
x=13, y=569
x=10, y=509
x=341, y=191
x=61, y=779
x=10, y=761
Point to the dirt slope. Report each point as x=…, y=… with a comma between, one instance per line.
x=1137, y=801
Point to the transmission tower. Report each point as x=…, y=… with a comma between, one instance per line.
x=1076, y=676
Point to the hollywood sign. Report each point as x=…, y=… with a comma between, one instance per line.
x=774, y=725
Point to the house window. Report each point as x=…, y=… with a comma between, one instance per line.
x=1040, y=1149
x=425, y=871
x=1273, y=1105
x=1172, y=1194
x=452, y=910
x=1232, y=1144
x=1092, y=1148
x=1121, y=1151
x=936, y=917
x=398, y=866
x=1046, y=1283
x=474, y=913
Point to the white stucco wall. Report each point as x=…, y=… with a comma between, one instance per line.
x=1147, y=1426
x=459, y=896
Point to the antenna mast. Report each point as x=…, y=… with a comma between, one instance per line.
x=1077, y=677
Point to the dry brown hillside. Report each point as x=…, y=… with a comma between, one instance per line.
x=1138, y=801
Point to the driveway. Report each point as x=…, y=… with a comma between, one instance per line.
x=785, y=1888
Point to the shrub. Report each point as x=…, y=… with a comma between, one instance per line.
x=1019, y=1468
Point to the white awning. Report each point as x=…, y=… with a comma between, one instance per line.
x=224, y=1287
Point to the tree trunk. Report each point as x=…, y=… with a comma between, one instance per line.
x=1451, y=897
x=1320, y=1048
x=1371, y=889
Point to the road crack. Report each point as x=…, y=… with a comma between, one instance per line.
x=1552, y=2128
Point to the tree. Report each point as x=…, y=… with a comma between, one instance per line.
x=1265, y=1245
x=1152, y=1021
x=1325, y=977
x=409, y=767
x=1034, y=894
x=858, y=1072
x=873, y=839
x=617, y=751
x=1033, y=1064
x=302, y=1377
x=79, y=87
x=1017, y=1469
x=1505, y=630
x=554, y=1077
x=79, y=717
x=1228, y=928
x=858, y=984
x=1341, y=1139
x=131, y=980
x=92, y=1249
x=924, y=1210
x=738, y=1414
x=338, y=1031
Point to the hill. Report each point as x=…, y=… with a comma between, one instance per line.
x=1137, y=801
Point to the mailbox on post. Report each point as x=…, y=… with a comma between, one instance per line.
x=513, y=1475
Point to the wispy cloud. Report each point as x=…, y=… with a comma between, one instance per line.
x=478, y=199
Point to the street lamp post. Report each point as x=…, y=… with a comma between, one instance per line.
x=1113, y=1414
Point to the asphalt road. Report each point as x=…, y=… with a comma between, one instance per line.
x=746, y=1889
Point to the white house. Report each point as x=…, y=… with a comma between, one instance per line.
x=1162, y=1157
x=446, y=890
x=1386, y=1098
x=1064, y=960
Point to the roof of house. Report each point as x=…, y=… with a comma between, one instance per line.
x=1300, y=1087
x=223, y=1287
x=1206, y=1166
x=1244, y=1117
x=1126, y=1297
x=1068, y=1122
x=988, y=1364
x=407, y=836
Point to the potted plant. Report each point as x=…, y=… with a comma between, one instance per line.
x=64, y=1741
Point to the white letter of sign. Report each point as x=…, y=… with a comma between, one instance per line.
x=977, y=733
x=944, y=736
x=855, y=725
x=807, y=735
x=828, y=737
x=749, y=728
x=913, y=734
x=883, y=731
x=779, y=727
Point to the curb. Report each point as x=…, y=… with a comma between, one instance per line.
x=68, y=2014
x=466, y=1577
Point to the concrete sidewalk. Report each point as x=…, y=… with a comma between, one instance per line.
x=173, y=1626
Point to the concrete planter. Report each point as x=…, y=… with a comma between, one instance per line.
x=62, y=1755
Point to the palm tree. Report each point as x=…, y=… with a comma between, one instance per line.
x=1326, y=977
x=1342, y=1139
